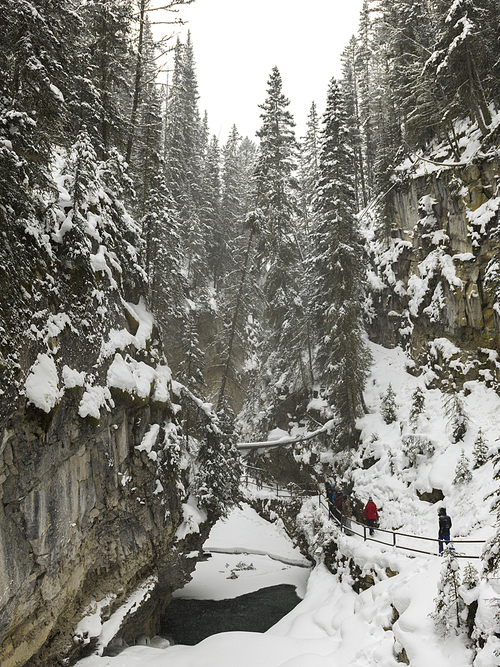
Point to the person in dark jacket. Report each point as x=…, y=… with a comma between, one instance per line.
x=371, y=514
x=337, y=503
x=346, y=514
x=444, y=528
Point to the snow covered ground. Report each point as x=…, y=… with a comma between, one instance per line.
x=333, y=626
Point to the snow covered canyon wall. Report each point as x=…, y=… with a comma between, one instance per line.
x=433, y=285
x=94, y=470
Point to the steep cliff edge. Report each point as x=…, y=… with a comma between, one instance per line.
x=433, y=285
x=95, y=471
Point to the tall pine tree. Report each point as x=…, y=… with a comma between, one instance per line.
x=342, y=358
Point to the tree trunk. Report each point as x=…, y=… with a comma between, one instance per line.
x=220, y=400
x=137, y=83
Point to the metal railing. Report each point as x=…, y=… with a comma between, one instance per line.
x=390, y=538
x=253, y=476
x=396, y=539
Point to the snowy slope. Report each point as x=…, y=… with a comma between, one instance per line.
x=333, y=626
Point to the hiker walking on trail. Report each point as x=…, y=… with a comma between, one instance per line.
x=346, y=514
x=337, y=503
x=444, y=528
x=371, y=515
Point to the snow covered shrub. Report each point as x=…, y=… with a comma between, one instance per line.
x=463, y=474
x=456, y=416
x=416, y=445
x=449, y=604
x=480, y=451
x=388, y=408
x=417, y=407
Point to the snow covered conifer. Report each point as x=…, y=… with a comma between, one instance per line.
x=81, y=167
x=480, y=451
x=278, y=256
x=456, y=415
x=449, y=604
x=471, y=577
x=219, y=466
x=454, y=60
x=343, y=358
x=388, y=407
x=417, y=407
x=309, y=164
x=463, y=474
x=190, y=371
x=491, y=550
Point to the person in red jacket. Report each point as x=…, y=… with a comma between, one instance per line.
x=371, y=514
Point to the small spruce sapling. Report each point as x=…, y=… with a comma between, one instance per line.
x=417, y=408
x=456, y=416
x=463, y=473
x=388, y=407
x=471, y=577
x=480, y=451
x=449, y=604
x=470, y=581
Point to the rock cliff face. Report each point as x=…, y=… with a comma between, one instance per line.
x=82, y=518
x=433, y=285
x=95, y=504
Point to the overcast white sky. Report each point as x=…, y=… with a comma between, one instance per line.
x=238, y=42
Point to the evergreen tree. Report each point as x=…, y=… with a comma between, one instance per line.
x=449, y=604
x=471, y=577
x=82, y=185
x=219, y=467
x=453, y=63
x=456, y=415
x=184, y=157
x=211, y=210
x=145, y=139
x=409, y=36
x=491, y=549
x=160, y=229
x=190, y=372
x=275, y=207
x=417, y=407
x=350, y=88
x=343, y=358
x=235, y=259
x=480, y=451
x=309, y=166
x=363, y=67
x=388, y=407
x=38, y=52
x=463, y=474
x=107, y=66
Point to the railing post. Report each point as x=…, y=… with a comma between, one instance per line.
x=394, y=539
x=364, y=533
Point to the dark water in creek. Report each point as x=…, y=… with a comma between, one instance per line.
x=191, y=621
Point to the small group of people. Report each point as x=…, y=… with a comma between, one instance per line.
x=340, y=507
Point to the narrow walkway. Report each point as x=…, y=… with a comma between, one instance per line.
x=408, y=543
